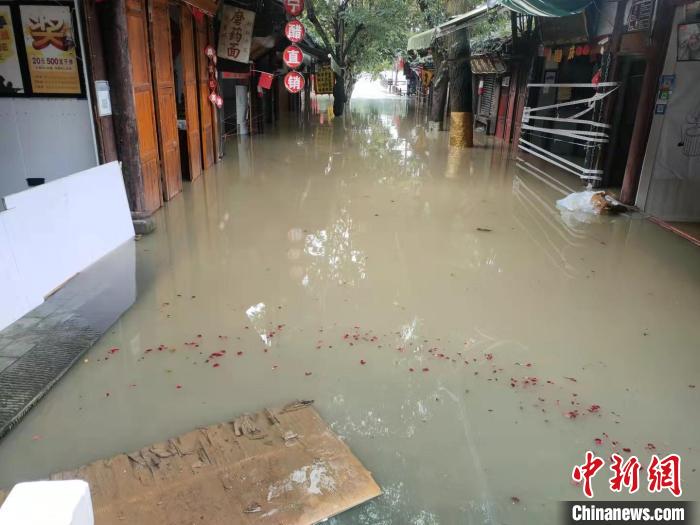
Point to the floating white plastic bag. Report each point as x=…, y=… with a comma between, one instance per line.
x=579, y=202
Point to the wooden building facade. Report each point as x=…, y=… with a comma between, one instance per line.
x=164, y=127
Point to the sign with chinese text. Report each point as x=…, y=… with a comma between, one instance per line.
x=236, y=34
x=294, y=31
x=10, y=72
x=292, y=57
x=294, y=81
x=294, y=7
x=324, y=81
x=49, y=39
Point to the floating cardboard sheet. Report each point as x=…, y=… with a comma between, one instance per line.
x=282, y=466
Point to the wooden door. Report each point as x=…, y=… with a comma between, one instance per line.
x=502, y=112
x=189, y=74
x=214, y=110
x=206, y=128
x=512, y=95
x=166, y=107
x=137, y=31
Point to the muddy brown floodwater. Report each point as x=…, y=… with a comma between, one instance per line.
x=466, y=340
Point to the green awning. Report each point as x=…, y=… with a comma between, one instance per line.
x=421, y=41
x=548, y=8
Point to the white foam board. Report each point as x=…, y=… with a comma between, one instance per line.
x=48, y=503
x=54, y=231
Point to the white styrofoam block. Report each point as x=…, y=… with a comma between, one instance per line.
x=48, y=503
x=56, y=230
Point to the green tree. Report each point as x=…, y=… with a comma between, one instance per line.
x=362, y=35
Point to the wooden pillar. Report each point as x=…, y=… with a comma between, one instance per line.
x=215, y=112
x=205, y=115
x=107, y=143
x=124, y=26
x=190, y=87
x=655, y=56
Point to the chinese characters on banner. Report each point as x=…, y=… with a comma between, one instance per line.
x=662, y=474
x=294, y=31
x=294, y=7
x=292, y=57
x=49, y=40
x=324, y=81
x=294, y=81
x=10, y=73
x=236, y=34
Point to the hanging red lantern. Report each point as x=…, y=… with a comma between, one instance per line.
x=294, y=81
x=294, y=7
x=294, y=31
x=293, y=57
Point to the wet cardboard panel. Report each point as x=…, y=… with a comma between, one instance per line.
x=277, y=466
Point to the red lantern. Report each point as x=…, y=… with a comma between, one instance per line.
x=212, y=83
x=293, y=57
x=294, y=31
x=212, y=97
x=294, y=81
x=219, y=101
x=210, y=51
x=294, y=7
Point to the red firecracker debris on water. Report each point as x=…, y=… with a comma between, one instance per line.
x=363, y=362
x=598, y=441
x=178, y=386
x=216, y=365
x=426, y=369
x=239, y=353
x=411, y=369
x=593, y=408
x=307, y=373
x=650, y=446
x=113, y=350
x=626, y=449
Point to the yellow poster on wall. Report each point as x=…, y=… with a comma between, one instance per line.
x=10, y=72
x=324, y=81
x=49, y=39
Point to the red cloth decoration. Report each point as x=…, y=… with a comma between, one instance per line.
x=265, y=80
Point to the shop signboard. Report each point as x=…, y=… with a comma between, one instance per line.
x=236, y=34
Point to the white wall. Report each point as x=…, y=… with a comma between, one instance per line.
x=53, y=231
x=669, y=185
x=43, y=137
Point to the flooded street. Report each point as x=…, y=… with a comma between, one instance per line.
x=467, y=341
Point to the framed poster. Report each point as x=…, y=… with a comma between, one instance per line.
x=688, y=42
x=11, y=82
x=50, y=44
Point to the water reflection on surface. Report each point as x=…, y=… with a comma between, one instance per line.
x=448, y=273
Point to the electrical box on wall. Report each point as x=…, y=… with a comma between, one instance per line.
x=104, y=103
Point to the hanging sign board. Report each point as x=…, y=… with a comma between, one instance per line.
x=294, y=81
x=294, y=7
x=49, y=40
x=9, y=61
x=292, y=57
x=324, y=81
x=236, y=34
x=294, y=31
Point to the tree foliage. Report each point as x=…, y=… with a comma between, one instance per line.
x=367, y=35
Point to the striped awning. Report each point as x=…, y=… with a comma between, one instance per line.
x=546, y=8
x=421, y=40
